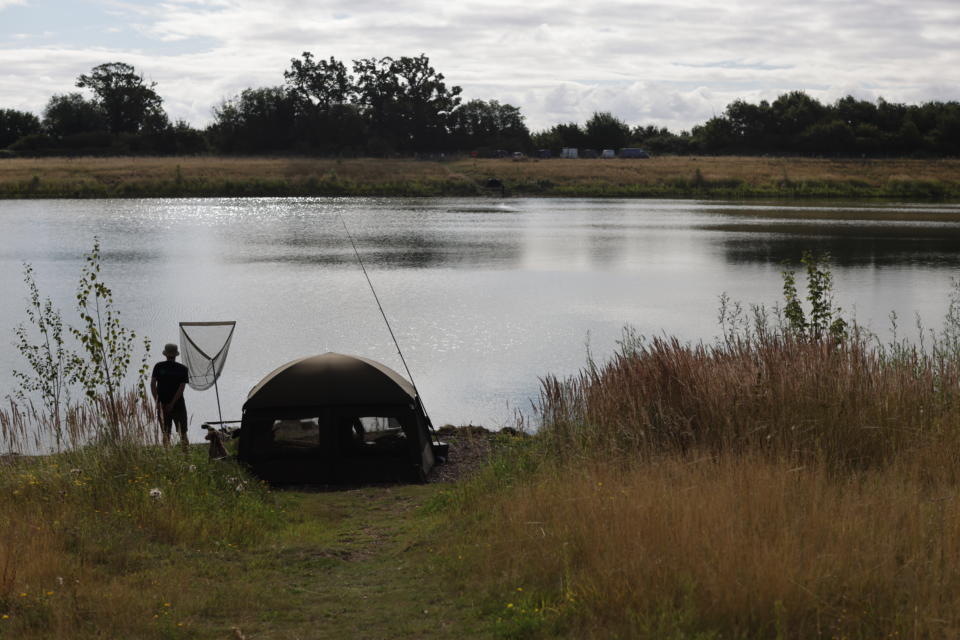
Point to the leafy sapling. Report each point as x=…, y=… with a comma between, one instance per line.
x=41, y=342
x=824, y=320
x=107, y=347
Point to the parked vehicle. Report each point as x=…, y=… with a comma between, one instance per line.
x=633, y=152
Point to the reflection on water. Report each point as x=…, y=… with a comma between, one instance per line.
x=485, y=295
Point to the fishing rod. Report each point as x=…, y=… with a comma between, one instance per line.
x=382, y=313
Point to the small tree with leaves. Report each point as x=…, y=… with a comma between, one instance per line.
x=824, y=320
x=107, y=347
x=41, y=342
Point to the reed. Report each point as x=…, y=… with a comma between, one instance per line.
x=849, y=404
x=764, y=485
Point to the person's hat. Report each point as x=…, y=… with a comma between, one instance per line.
x=171, y=350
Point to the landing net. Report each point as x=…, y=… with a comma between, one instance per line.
x=204, y=347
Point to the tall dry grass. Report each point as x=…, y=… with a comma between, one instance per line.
x=26, y=429
x=761, y=486
x=740, y=546
x=851, y=405
x=85, y=529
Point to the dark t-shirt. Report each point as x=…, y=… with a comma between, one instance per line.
x=169, y=376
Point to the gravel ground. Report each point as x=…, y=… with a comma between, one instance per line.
x=470, y=446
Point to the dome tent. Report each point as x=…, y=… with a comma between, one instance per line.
x=335, y=418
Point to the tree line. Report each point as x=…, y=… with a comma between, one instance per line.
x=387, y=106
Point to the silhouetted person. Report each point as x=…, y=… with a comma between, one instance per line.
x=167, y=384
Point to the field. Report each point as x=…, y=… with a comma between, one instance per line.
x=668, y=176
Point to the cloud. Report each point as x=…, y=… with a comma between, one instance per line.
x=667, y=63
x=9, y=3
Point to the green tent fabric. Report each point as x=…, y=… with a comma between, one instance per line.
x=303, y=423
x=331, y=379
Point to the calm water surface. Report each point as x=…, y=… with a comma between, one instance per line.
x=484, y=296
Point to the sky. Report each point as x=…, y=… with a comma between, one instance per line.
x=673, y=63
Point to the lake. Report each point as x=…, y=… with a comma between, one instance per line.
x=485, y=296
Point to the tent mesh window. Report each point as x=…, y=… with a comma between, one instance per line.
x=296, y=434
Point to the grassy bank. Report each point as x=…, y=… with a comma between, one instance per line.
x=670, y=176
x=794, y=479
x=764, y=486
x=121, y=538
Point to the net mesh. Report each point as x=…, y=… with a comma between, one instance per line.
x=204, y=347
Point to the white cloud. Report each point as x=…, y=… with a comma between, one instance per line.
x=9, y=3
x=669, y=63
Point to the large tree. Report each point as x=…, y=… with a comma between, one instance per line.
x=130, y=104
x=327, y=119
x=560, y=135
x=15, y=125
x=794, y=112
x=320, y=83
x=478, y=124
x=406, y=100
x=70, y=113
x=254, y=121
x=750, y=124
x=606, y=131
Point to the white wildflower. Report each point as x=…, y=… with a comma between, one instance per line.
x=60, y=581
x=192, y=468
x=156, y=494
x=75, y=471
x=240, y=487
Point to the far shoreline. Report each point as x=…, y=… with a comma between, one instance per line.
x=691, y=177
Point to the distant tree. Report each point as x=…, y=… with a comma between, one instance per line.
x=256, y=120
x=868, y=139
x=946, y=135
x=605, y=131
x=70, y=114
x=750, y=125
x=177, y=139
x=559, y=136
x=660, y=140
x=406, y=101
x=855, y=112
x=15, y=125
x=480, y=124
x=319, y=83
x=908, y=139
x=890, y=116
x=716, y=135
x=545, y=140
x=129, y=103
x=327, y=117
x=341, y=129
x=794, y=112
x=835, y=136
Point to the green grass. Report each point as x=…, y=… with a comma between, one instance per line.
x=90, y=553
x=676, y=188
x=668, y=176
x=115, y=536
